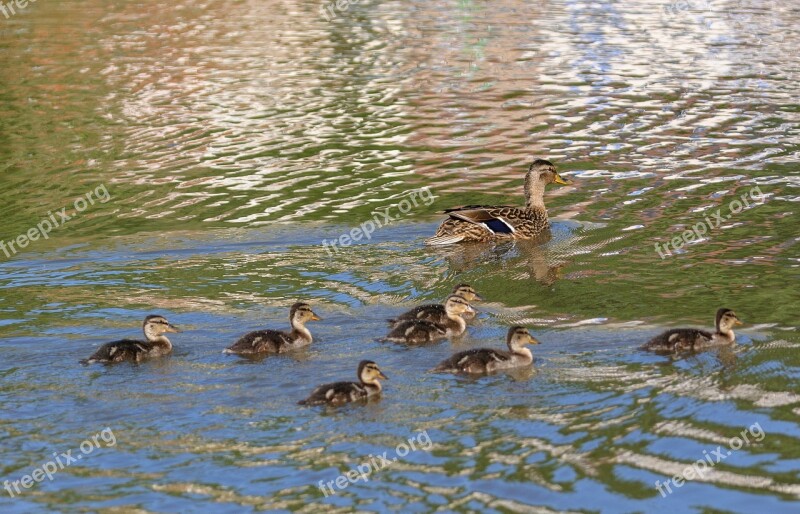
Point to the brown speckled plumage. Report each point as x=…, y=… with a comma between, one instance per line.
x=415, y=331
x=487, y=360
x=344, y=392
x=420, y=331
x=130, y=350
x=275, y=341
x=436, y=313
x=477, y=223
x=692, y=339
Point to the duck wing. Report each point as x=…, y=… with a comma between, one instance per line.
x=128, y=350
x=337, y=392
x=678, y=339
x=479, y=360
x=487, y=223
x=497, y=220
x=434, y=313
x=416, y=332
x=261, y=341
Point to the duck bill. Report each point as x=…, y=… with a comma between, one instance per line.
x=381, y=375
x=471, y=310
x=560, y=180
x=314, y=317
x=172, y=328
x=477, y=297
x=738, y=322
x=534, y=341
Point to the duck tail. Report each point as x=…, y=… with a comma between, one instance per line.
x=448, y=239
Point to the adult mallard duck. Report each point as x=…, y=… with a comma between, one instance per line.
x=489, y=222
x=419, y=331
x=275, y=341
x=131, y=350
x=344, y=392
x=686, y=339
x=487, y=360
x=436, y=312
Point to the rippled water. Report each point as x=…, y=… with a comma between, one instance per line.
x=233, y=138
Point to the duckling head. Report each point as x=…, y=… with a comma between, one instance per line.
x=301, y=313
x=369, y=373
x=540, y=173
x=726, y=320
x=518, y=337
x=466, y=292
x=155, y=326
x=457, y=305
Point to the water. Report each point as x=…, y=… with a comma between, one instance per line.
x=233, y=138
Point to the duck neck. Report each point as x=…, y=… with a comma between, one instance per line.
x=727, y=333
x=158, y=339
x=373, y=385
x=458, y=321
x=521, y=351
x=299, y=331
x=534, y=193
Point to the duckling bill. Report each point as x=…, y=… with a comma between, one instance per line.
x=420, y=331
x=130, y=350
x=338, y=393
x=275, y=341
x=476, y=223
x=436, y=313
x=692, y=339
x=487, y=360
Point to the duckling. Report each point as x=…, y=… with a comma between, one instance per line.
x=417, y=331
x=435, y=312
x=502, y=222
x=344, y=392
x=487, y=360
x=130, y=350
x=683, y=339
x=274, y=341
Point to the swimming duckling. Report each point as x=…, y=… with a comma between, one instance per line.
x=683, y=339
x=489, y=222
x=131, y=350
x=344, y=392
x=417, y=331
x=275, y=341
x=435, y=312
x=487, y=360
